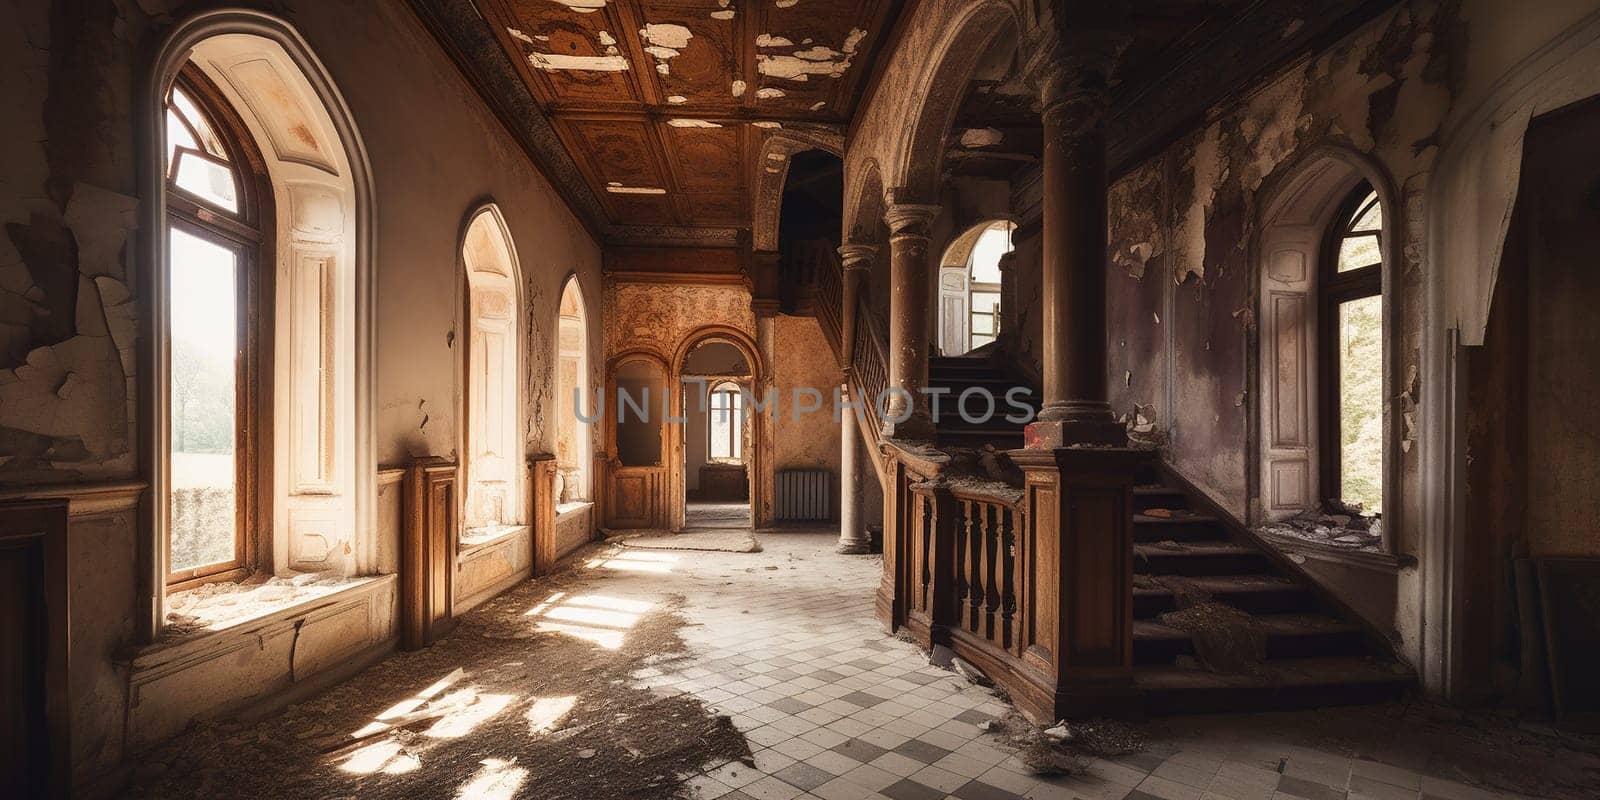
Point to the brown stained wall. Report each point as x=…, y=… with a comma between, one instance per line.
x=69, y=270
x=801, y=357
x=1183, y=224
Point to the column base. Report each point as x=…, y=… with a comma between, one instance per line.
x=852, y=547
x=1051, y=434
x=917, y=427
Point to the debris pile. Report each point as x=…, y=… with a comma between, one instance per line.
x=1334, y=524
x=1065, y=747
x=1226, y=639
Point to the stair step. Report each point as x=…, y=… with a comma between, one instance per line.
x=1288, y=636
x=1282, y=684
x=1256, y=594
x=1148, y=497
x=1181, y=528
x=1198, y=558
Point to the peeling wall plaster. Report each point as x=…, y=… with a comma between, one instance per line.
x=71, y=300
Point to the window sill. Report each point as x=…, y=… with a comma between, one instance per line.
x=247, y=611
x=1369, y=559
x=570, y=510
x=471, y=542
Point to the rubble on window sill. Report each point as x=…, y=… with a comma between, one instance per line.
x=1345, y=528
x=214, y=606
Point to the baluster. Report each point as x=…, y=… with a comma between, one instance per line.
x=958, y=569
x=975, y=565
x=991, y=546
x=925, y=549
x=1008, y=594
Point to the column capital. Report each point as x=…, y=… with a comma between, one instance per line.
x=1073, y=66
x=908, y=218
x=858, y=256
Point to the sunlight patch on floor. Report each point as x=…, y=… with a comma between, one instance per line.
x=495, y=780
x=594, y=618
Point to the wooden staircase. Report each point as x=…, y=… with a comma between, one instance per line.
x=1315, y=654
x=957, y=374
x=1184, y=551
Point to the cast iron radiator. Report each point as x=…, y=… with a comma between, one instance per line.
x=804, y=494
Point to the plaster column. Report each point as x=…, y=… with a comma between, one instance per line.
x=907, y=416
x=1072, y=82
x=853, y=539
x=856, y=260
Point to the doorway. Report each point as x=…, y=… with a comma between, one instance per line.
x=717, y=386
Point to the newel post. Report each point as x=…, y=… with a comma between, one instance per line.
x=1079, y=568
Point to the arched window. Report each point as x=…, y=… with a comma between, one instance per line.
x=1350, y=300
x=218, y=224
x=983, y=286
x=970, y=287
x=573, y=397
x=725, y=431
x=493, y=463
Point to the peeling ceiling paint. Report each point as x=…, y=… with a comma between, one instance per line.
x=681, y=122
x=583, y=6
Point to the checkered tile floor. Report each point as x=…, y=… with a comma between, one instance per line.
x=784, y=642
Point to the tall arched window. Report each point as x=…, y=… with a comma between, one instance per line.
x=218, y=226
x=573, y=396
x=494, y=444
x=1350, y=298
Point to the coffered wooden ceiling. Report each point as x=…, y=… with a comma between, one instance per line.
x=662, y=104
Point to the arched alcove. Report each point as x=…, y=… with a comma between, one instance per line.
x=306, y=487
x=492, y=442
x=574, y=397
x=1308, y=294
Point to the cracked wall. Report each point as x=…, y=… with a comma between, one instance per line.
x=1183, y=224
x=71, y=304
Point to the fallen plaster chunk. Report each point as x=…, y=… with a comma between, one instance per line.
x=970, y=672
x=682, y=122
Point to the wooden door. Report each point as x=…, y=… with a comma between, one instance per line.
x=35, y=762
x=637, y=440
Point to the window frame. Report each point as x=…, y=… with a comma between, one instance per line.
x=1334, y=289
x=248, y=234
x=735, y=429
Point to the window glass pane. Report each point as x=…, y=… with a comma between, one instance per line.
x=204, y=353
x=1356, y=252
x=177, y=136
x=979, y=340
x=1361, y=402
x=1369, y=215
x=985, y=302
x=982, y=323
x=725, y=423
x=638, y=406
x=191, y=114
x=208, y=180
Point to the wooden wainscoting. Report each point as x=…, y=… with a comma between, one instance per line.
x=35, y=761
x=637, y=498
x=428, y=552
x=542, y=511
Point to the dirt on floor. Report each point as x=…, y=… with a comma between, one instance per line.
x=498, y=709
